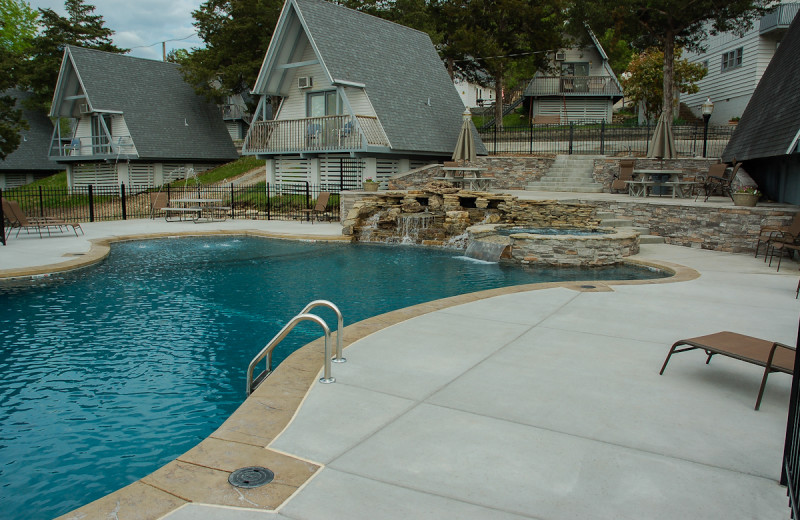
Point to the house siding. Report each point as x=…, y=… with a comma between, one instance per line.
x=731, y=90
x=577, y=109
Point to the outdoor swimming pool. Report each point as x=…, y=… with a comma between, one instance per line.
x=109, y=372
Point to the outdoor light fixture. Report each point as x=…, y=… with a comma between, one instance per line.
x=707, y=108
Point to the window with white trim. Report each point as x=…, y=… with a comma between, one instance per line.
x=732, y=60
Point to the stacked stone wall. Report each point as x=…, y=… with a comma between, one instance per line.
x=507, y=173
x=607, y=168
x=731, y=229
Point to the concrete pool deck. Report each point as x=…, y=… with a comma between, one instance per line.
x=515, y=403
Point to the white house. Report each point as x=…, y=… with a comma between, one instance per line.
x=583, y=88
x=474, y=95
x=736, y=63
x=134, y=121
x=360, y=97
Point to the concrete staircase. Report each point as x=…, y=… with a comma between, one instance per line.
x=571, y=173
x=608, y=219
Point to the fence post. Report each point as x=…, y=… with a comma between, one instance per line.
x=308, y=200
x=122, y=200
x=341, y=174
x=495, y=138
x=91, y=203
x=790, y=444
x=531, y=140
x=2, y=221
x=571, y=135
x=41, y=202
x=268, y=203
x=232, y=213
x=603, y=137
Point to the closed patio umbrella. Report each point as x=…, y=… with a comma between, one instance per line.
x=465, y=146
x=662, y=144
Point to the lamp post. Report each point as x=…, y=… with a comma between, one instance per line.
x=708, y=108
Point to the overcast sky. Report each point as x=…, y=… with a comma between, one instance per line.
x=141, y=25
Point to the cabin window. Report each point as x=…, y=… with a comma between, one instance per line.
x=319, y=104
x=732, y=59
x=101, y=141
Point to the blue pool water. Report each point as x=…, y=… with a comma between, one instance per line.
x=109, y=372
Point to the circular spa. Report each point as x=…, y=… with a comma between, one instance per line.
x=562, y=247
x=109, y=372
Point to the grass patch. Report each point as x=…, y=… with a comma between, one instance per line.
x=224, y=172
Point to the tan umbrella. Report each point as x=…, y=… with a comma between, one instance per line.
x=662, y=144
x=465, y=146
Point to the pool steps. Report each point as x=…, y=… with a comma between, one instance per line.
x=610, y=219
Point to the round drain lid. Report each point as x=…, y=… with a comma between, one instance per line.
x=251, y=477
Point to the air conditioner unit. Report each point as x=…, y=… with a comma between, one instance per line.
x=85, y=108
x=305, y=82
x=561, y=56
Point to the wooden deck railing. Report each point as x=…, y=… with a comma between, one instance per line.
x=573, y=86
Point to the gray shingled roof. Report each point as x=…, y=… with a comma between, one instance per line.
x=400, y=69
x=166, y=118
x=771, y=122
x=31, y=156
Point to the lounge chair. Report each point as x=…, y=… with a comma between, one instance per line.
x=773, y=356
x=768, y=233
x=158, y=201
x=21, y=221
x=714, y=171
x=625, y=174
x=320, y=208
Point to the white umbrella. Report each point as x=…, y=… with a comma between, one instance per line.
x=465, y=146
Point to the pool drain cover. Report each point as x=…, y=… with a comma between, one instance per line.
x=588, y=287
x=251, y=477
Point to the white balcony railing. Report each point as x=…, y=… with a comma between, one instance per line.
x=93, y=146
x=314, y=134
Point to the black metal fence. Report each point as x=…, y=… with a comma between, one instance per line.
x=284, y=201
x=601, y=139
x=790, y=473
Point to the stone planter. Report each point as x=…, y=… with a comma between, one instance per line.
x=745, y=199
x=371, y=186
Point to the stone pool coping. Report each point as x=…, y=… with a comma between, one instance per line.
x=201, y=474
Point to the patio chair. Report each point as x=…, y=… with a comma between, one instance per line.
x=767, y=233
x=320, y=208
x=625, y=174
x=21, y=221
x=720, y=182
x=773, y=356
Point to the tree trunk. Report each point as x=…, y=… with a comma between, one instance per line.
x=498, y=97
x=450, y=69
x=669, y=76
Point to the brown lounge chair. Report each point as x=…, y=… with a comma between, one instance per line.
x=19, y=220
x=320, y=208
x=720, y=181
x=773, y=356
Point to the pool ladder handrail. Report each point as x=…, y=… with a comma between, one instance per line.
x=302, y=316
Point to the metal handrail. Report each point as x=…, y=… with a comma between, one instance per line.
x=339, y=324
x=266, y=352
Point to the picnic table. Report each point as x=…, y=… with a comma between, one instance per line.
x=195, y=209
x=647, y=182
x=466, y=176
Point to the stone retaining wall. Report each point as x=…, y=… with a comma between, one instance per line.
x=509, y=173
x=731, y=229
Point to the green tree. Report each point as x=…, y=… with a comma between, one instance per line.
x=643, y=81
x=668, y=24
x=80, y=28
x=491, y=35
x=619, y=50
x=11, y=120
x=237, y=35
x=18, y=24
